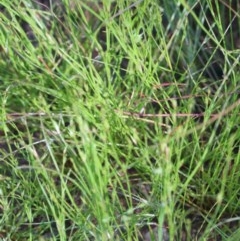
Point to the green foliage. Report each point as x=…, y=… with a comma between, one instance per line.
x=119, y=120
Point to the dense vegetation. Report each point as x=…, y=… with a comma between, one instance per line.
x=119, y=120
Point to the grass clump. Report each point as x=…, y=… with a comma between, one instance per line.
x=119, y=120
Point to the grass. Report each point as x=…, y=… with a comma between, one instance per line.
x=116, y=121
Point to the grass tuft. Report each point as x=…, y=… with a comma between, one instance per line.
x=119, y=120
